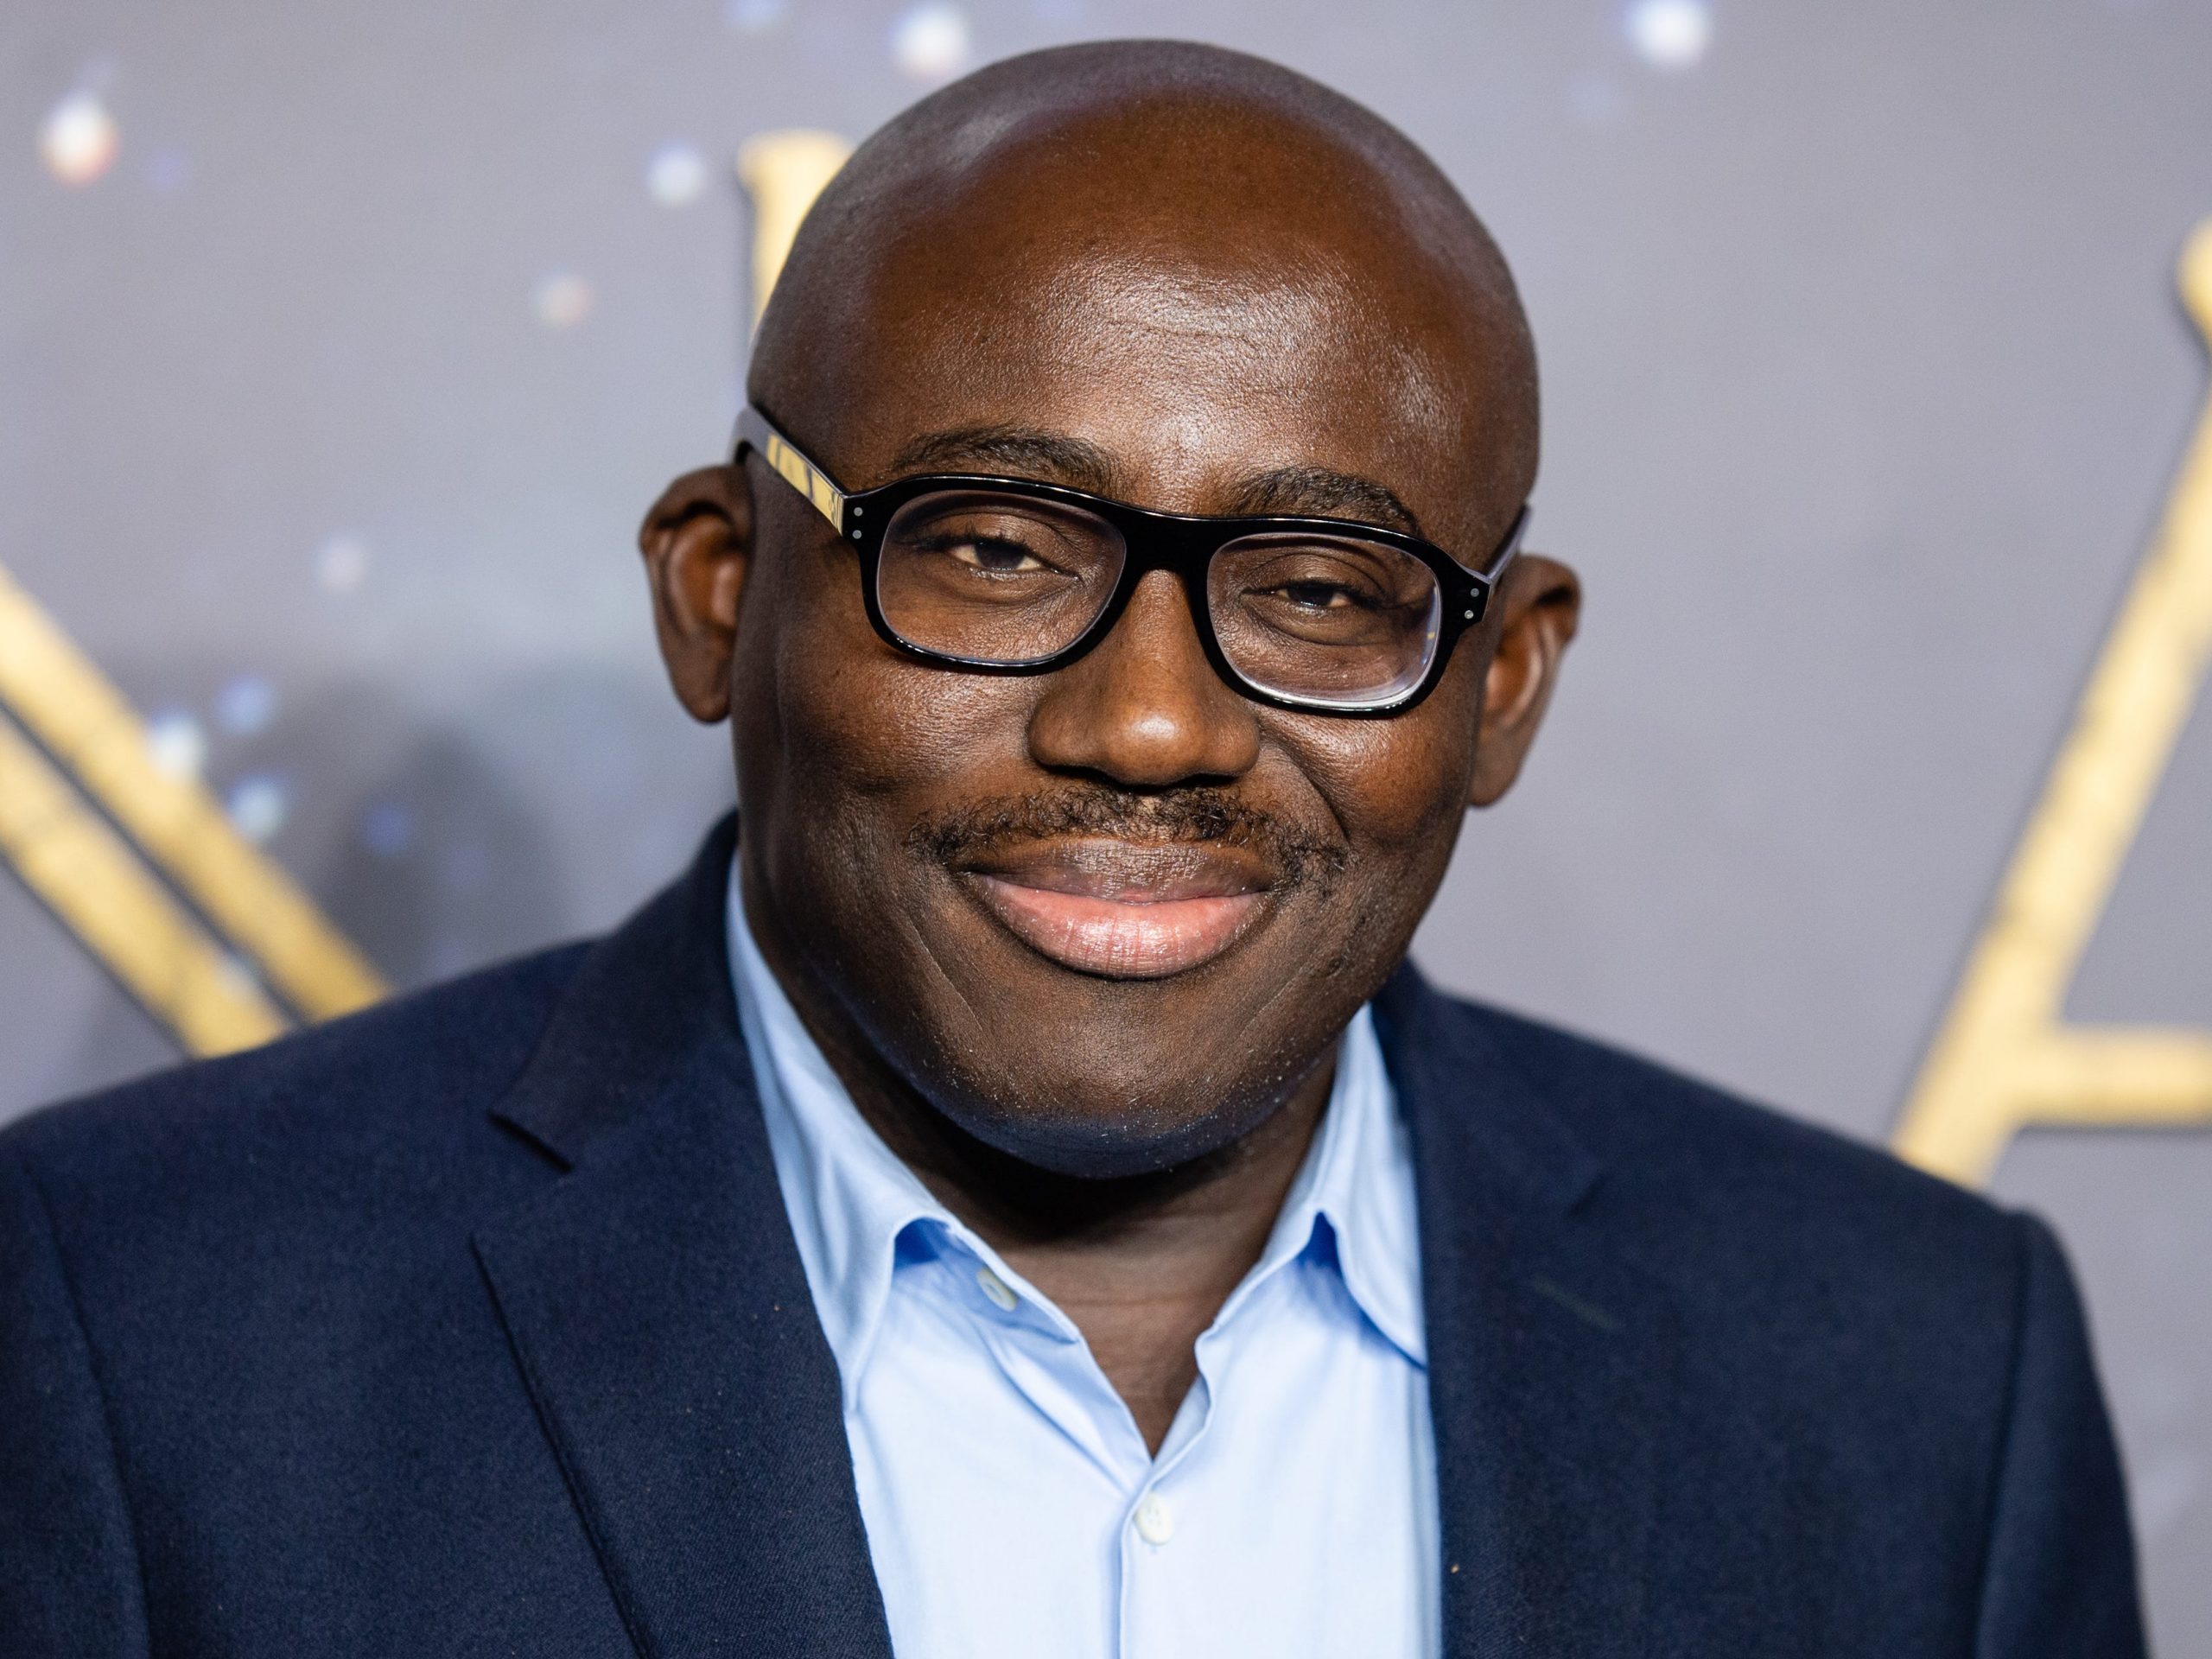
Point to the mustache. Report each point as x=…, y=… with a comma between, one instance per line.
x=1165, y=818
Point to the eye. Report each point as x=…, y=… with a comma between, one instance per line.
x=990, y=554
x=1318, y=595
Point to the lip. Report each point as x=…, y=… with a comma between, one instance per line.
x=1124, y=910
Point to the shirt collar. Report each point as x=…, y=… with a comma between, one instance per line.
x=847, y=1194
x=850, y=1198
x=1358, y=1180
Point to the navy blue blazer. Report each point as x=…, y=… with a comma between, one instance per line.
x=473, y=1325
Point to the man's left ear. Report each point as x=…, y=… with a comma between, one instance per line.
x=1540, y=603
x=697, y=542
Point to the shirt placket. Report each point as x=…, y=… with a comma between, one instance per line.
x=1045, y=1359
x=1170, y=1505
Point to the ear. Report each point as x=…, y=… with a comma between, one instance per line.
x=697, y=542
x=1540, y=603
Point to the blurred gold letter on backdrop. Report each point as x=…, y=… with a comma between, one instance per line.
x=783, y=172
x=88, y=874
x=2004, y=1058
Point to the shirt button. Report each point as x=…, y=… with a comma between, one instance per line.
x=1155, y=1524
x=997, y=1289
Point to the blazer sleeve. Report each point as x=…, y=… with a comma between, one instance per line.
x=69, y=1581
x=2059, y=1582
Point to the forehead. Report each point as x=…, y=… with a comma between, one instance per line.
x=1202, y=316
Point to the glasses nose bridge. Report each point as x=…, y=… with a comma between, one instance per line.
x=1178, y=545
x=1160, y=541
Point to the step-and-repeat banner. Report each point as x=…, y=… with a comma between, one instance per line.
x=338, y=354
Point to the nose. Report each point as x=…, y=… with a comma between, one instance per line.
x=1144, y=708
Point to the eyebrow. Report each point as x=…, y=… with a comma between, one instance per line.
x=1017, y=452
x=1055, y=458
x=1321, y=493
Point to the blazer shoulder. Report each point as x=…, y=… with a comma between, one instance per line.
x=1815, y=1279
x=1629, y=1108
x=1836, y=1335
x=1709, y=1175
x=391, y=1085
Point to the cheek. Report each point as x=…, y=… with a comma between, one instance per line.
x=844, y=716
x=1399, y=786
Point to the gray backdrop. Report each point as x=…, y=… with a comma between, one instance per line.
x=1864, y=385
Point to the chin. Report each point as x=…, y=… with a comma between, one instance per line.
x=1094, y=1076
x=1099, y=1077
x=1110, y=1142
x=1121, y=1088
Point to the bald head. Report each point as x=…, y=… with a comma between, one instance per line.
x=1066, y=202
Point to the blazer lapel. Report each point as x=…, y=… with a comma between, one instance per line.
x=657, y=1307
x=1549, y=1356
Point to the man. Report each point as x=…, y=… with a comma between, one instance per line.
x=1012, y=1197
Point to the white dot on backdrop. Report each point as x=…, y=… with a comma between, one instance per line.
x=342, y=563
x=931, y=42
x=245, y=706
x=562, y=299
x=1670, y=33
x=176, y=743
x=79, y=139
x=675, y=175
x=755, y=16
x=258, y=806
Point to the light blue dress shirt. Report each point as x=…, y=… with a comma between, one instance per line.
x=1013, y=1511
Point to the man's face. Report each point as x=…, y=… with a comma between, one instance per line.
x=1107, y=917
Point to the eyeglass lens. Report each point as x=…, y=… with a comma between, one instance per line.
x=1013, y=579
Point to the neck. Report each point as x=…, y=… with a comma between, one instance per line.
x=1140, y=1263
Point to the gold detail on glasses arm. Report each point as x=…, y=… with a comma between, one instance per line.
x=792, y=466
x=809, y=479
x=2004, y=1059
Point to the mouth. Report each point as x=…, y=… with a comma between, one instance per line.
x=1125, y=910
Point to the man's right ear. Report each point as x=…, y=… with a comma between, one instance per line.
x=697, y=541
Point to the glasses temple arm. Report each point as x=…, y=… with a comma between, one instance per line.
x=1492, y=570
x=790, y=464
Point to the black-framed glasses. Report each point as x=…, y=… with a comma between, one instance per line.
x=1008, y=576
